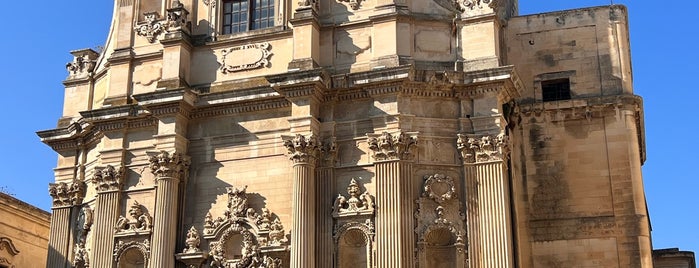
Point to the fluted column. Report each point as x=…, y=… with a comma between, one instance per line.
x=324, y=191
x=303, y=151
x=108, y=182
x=488, y=200
x=168, y=169
x=395, y=237
x=65, y=197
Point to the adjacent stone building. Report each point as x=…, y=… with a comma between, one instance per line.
x=351, y=133
x=24, y=233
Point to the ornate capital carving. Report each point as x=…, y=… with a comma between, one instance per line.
x=108, y=178
x=356, y=204
x=81, y=256
x=165, y=165
x=328, y=152
x=140, y=221
x=65, y=194
x=386, y=146
x=302, y=149
x=151, y=28
x=480, y=149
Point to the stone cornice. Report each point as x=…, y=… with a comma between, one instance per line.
x=70, y=137
x=118, y=118
x=166, y=102
x=241, y=107
x=20, y=207
x=301, y=84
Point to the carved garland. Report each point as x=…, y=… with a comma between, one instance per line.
x=245, y=57
x=439, y=209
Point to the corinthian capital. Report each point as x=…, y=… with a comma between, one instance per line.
x=166, y=165
x=479, y=149
x=67, y=194
x=386, y=146
x=108, y=179
x=302, y=149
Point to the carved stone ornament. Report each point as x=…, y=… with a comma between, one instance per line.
x=192, y=256
x=386, y=146
x=167, y=165
x=439, y=188
x=177, y=17
x=81, y=258
x=143, y=247
x=6, y=263
x=151, y=28
x=480, y=149
x=140, y=221
x=308, y=4
x=259, y=234
x=192, y=241
x=356, y=204
x=65, y=194
x=245, y=57
x=108, y=179
x=83, y=63
x=329, y=152
x=210, y=2
x=7, y=245
x=354, y=4
x=473, y=4
x=302, y=149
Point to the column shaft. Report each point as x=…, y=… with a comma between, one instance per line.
x=165, y=223
x=59, y=239
x=324, y=240
x=106, y=216
x=303, y=229
x=394, y=224
x=490, y=228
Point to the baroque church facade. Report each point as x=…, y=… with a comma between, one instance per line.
x=351, y=133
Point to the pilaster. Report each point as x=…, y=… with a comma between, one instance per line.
x=177, y=48
x=303, y=151
x=395, y=237
x=488, y=200
x=65, y=197
x=306, y=36
x=108, y=182
x=325, y=175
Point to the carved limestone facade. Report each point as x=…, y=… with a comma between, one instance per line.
x=351, y=133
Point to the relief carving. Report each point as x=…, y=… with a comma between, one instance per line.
x=140, y=221
x=81, y=258
x=165, y=165
x=151, y=27
x=386, y=146
x=65, y=194
x=302, y=149
x=245, y=57
x=177, y=17
x=83, y=225
x=480, y=149
x=357, y=204
x=108, y=179
x=260, y=234
x=308, y=4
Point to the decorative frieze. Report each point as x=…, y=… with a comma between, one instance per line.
x=140, y=221
x=481, y=149
x=356, y=204
x=167, y=165
x=65, y=194
x=108, y=178
x=302, y=149
x=245, y=57
x=386, y=146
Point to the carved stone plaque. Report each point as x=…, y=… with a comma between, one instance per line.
x=245, y=57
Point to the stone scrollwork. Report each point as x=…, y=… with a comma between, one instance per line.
x=356, y=204
x=6, y=244
x=67, y=194
x=143, y=247
x=140, y=221
x=480, y=149
x=261, y=236
x=245, y=57
x=168, y=165
x=472, y=4
x=302, y=149
x=108, y=178
x=386, y=146
x=151, y=28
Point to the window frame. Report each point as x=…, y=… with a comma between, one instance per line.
x=218, y=16
x=548, y=77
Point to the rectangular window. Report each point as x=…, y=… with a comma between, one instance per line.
x=558, y=89
x=244, y=15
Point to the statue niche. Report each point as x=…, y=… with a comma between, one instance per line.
x=440, y=225
x=244, y=238
x=354, y=227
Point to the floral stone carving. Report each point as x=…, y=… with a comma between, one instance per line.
x=302, y=149
x=386, y=146
x=140, y=221
x=356, y=204
x=167, y=165
x=479, y=149
x=245, y=57
x=151, y=28
x=260, y=234
x=108, y=178
x=65, y=194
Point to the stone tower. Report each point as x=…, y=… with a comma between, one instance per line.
x=351, y=133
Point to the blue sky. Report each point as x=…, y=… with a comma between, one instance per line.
x=663, y=46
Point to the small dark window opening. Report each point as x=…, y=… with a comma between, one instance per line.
x=558, y=89
x=244, y=15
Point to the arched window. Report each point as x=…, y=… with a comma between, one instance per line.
x=132, y=258
x=245, y=15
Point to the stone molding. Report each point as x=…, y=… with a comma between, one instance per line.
x=483, y=149
x=108, y=179
x=143, y=247
x=356, y=204
x=165, y=165
x=388, y=147
x=354, y=4
x=140, y=223
x=67, y=194
x=4, y=261
x=302, y=149
x=245, y=57
x=7, y=245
